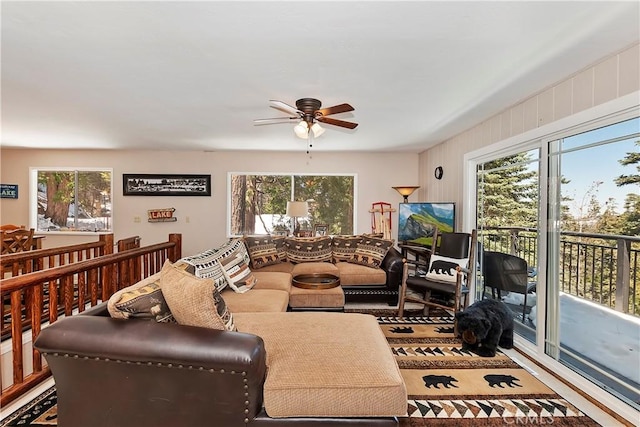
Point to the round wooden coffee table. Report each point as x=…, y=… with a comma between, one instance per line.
x=316, y=281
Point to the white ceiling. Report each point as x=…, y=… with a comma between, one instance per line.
x=194, y=75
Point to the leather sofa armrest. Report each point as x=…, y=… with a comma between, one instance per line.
x=152, y=373
x=392, y=264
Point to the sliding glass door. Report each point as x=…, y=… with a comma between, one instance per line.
x=569, y=205
x=508, y=191
x=593, y=289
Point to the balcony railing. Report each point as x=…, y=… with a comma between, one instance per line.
x=602, y=268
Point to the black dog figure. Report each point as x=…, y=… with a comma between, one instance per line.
x=483, y=326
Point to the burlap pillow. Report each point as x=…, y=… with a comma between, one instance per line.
x=262, y=251
x=371, y=251
x=344, y=247
x=194, y=301
x=308, y=249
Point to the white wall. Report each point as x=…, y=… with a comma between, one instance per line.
x=376, y=174
x=611, y=78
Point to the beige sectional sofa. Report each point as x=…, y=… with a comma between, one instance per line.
x=223, y=350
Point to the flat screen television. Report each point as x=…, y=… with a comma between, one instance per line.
x=417, y=221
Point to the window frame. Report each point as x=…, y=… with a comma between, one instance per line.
x=33, y=199
x=293, y=175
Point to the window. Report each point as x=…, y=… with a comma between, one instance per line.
x=71, y=200
x=258, y=203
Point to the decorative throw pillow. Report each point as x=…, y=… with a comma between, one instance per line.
x=281, y=247
x=194, y=301
x=262, y=251
x=205, y=266
x=141, y=301
x=237, y=272
x=444, y=269
x=308, y=249
x=371, y=251
x=206, y=263
x=344, y=247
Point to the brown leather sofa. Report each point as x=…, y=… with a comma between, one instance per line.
x=114, y=372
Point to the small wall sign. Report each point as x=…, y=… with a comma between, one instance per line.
x=8, y=191
x=162, y=215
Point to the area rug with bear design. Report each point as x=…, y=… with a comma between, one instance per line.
x=446, y=385
x=449, y=386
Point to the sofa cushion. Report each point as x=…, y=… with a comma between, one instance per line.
x=357, y=274
x=313, y=268
x=142, y=300
x=344, y=247
x=327, y=365
x=194, y=301
x=371, y=251
x=283, y=267
x=236, y=270
x=308, y=249
x=262, y=251
x=256, y=301
x=272, y=280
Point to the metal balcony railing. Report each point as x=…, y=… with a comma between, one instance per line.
x=602, y=268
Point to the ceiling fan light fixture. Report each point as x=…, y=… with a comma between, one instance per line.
x=301, y=130
x=317, y=129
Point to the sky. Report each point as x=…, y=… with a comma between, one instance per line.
x=599, y=164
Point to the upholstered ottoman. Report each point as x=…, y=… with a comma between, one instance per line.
x=331, y=299
x=326, y=365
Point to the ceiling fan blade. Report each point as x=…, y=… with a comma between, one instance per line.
x=342, y=108
x=336, y=122
x=283, y=106
x=275, y=120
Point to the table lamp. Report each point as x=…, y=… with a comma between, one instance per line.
x=296, y=210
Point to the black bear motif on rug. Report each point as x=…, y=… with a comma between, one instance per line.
x=401, y=330
x=436, y=380
x=497, y=380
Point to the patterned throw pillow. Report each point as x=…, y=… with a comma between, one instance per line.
x=262, y=251
x=308, y=249
x=444, y=269
x=371, y=251
x=142, y=302
x=194, y=301
x=344, y=247
x=207, y=266
x=237, y=272
x=281, y=247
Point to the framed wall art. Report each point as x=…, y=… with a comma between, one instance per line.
x=166, y=185
x=320, y=230
x=418, y=221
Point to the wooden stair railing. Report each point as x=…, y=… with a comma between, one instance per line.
x=28, y=261
x=80, y=284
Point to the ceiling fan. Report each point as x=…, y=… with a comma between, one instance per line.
x=309, y=114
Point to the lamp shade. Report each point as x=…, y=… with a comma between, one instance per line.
x=301, y=130
x=317, y=130
x=297, y=209
x=406, y=190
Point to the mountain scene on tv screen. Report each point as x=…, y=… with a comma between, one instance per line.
x=418, y=222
